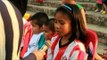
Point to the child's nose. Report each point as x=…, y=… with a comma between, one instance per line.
x=57, y=26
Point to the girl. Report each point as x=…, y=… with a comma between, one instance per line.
x=68, y=44
x=82, y=12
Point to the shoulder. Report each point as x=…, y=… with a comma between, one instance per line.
x=80, y=45
x=78, y=50
x=54, y=38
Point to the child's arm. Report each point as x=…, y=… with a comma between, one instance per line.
x=36, y=55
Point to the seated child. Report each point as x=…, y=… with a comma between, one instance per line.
x=105, y=6
x=49, y=29
x=68, y=44
x=99, y=6
x=37, y=21
x=82, y=11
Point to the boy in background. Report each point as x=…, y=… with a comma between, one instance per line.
x=37, y=21
x=49, y=32
x=49, y=29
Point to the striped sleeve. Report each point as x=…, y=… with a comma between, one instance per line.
x=78, y=52
x=11, y=31
x=78, y=55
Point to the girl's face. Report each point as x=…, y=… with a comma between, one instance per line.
x=62, y=24
x=36, y=29
x=47, y=32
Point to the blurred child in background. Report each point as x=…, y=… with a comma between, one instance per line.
x=99, y=6
x=49, y=29
x=105, y=6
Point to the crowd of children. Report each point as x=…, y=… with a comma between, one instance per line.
x=70, y=38
x=67, y=32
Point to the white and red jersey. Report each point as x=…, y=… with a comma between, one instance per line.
x=73, y=51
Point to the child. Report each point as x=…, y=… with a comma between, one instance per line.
x=68, y=44
x=82, y=10
x=99, y=6
x=37, y=21
x=105, y=7
x=49, y=29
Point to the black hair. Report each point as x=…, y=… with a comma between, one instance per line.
x=50, y=24
x=77, y=24
x=39, y=18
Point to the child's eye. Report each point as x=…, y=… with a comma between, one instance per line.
x=55, y=21
x=33, y=25
x=46, y=31
x=62, y=23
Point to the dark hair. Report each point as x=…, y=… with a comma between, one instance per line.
x=39, y=18
x=77, y=23
x=50, y=24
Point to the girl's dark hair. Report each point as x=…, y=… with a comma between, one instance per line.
x=39, y=18
x=77, y=23
x=50, y=24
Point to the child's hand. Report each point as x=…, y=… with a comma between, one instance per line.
x=39, y=55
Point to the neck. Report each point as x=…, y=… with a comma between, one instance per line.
x=65, y=39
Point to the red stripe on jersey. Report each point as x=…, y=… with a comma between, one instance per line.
x=74, y=49
x=54, y=44
x=81, y=55
x=60, y=53
x=26, y=38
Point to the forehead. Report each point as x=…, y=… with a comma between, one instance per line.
x=33, y=21
x=67, y=1
x=61, y=16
